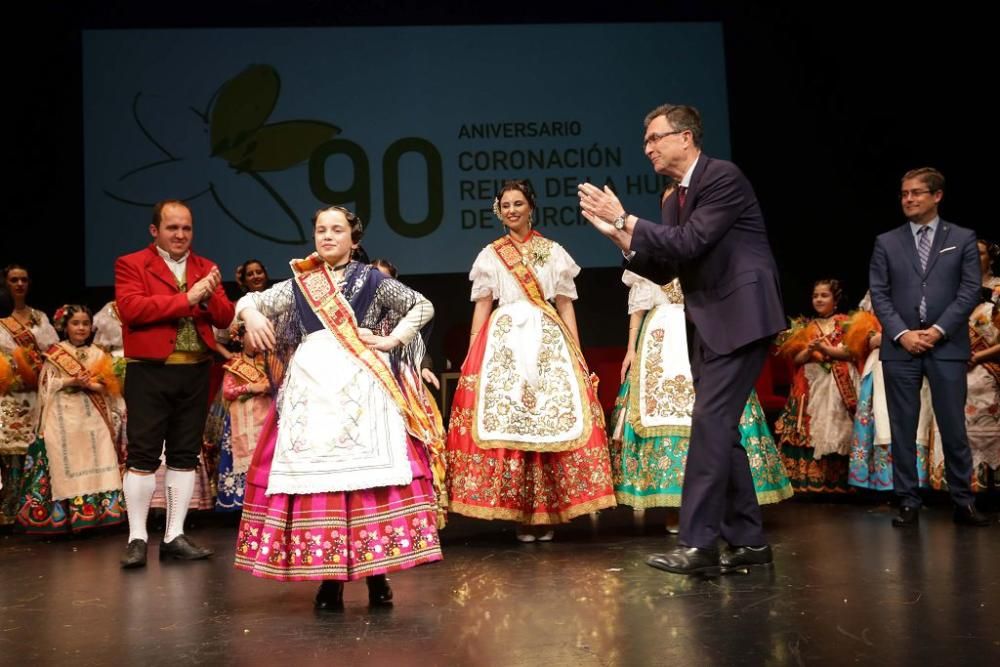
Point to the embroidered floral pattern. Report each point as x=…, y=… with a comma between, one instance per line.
x=514, y=406
x=17, y=427
x=396, y=532
x=664, y=397
x=467, y=382
x=649, y=471
x=38, y=514
x=461, y=420
x=536, y=487
x=673, y=292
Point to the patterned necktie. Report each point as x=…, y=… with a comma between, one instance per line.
x=681, y=194
x=924, y=251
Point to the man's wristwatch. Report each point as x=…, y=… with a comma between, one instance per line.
x=619, y=222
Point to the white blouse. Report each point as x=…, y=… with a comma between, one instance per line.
x=490, y=278
x=644, y=294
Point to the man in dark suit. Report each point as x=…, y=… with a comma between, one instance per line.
x=713, y=238
x=925, y=279
x=169, y=299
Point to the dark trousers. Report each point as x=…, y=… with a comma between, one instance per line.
x=948, y=391
x=719, y=498
x=166, y=404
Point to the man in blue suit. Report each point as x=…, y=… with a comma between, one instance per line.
x=712, y=237
x=925, y=279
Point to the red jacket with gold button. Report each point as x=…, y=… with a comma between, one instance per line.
x=151, y=305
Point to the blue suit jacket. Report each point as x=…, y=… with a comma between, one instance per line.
x=950, y=284
x=717, y=245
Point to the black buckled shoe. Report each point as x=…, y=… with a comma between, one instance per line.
x=330, y=596
x=135, y=555
x=182, y=548
x=908, y=516
x=687, y=560
x=737, y=559
x=379, y=593
x=970, y=516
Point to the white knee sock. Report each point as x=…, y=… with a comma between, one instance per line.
x=180, y=488
x=138, y=495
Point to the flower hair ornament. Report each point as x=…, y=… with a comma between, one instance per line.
x=59, y=318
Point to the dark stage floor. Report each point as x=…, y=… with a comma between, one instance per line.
x=846, y=588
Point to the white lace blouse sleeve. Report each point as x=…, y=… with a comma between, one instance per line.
x=272, y=302
x=108, y=330
x=564, y=270
x=642, y=293
x=420, y=314
x=45, y=333
x=483, y=276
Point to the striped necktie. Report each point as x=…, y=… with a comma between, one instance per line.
x=924, y=251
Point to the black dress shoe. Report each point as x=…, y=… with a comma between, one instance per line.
x=182, y=548
x=970, y=516
x=743, y=558
x=908, y=516
x=330, y=596
x=135, y=555
x=687, y=560
x=379, y=593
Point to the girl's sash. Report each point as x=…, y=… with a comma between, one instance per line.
x=67, y=362
x=841, y=370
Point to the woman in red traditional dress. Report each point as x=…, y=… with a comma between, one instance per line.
x=341, y=483
x=526, y=440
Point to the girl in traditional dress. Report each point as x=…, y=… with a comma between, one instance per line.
x=247, y=396
x=71, y=476
x=24, y=334
x=342, y=487
x=816, y=427
x=526, y=440
x=652, y=419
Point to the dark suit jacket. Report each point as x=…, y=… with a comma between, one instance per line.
x=950, y=284
x=717, y=245
x=150, y=304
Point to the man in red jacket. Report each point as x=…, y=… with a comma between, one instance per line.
x=169, y=300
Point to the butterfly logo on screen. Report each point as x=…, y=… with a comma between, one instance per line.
x=224, y=152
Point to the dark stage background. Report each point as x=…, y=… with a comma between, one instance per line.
x=826, y=110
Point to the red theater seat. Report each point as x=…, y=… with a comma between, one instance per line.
x=773, y=383
x=606, y=362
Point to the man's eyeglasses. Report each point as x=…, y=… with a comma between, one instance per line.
x=656, y=136
x=903, y=194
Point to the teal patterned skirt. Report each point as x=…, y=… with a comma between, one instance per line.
x=649, y=472
x=39, y=514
